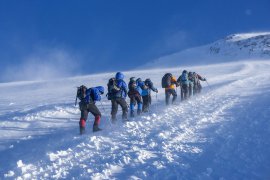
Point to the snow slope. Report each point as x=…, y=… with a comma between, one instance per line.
x=235, y=47
x=221, y=134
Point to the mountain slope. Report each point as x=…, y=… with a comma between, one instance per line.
x=246, y=46
x=220, y=134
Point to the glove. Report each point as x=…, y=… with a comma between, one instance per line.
x=156, y=91
x=204, y=79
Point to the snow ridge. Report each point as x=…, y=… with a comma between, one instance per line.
x=235, y=47
x=252, y=45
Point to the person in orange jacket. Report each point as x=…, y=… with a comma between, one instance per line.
x=169, y=82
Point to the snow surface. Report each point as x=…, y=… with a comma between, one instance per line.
x=223, y=133
x=244, y=36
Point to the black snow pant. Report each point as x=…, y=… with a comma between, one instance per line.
x=184, y=91
x=197, y=88
x=85, y=109
x=190, y=89
x=146, y=103
x=92, y=108
x=168, y=93
x=122, y=102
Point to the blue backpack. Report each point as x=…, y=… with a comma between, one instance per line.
x=88, y=98
x=95, y=93
x=90, y=95
x=139, y=89
x=184, y=78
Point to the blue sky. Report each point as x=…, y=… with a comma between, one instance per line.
x=48, y=38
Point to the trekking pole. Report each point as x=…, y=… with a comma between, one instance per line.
x=105, y=112
x=76, y=100
x=102, y=106
x=176, y=91
x=180, y=92
x=208, y=85
x=156, y=102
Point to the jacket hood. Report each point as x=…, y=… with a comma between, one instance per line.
x=119, y=76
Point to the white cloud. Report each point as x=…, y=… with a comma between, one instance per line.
x=43, y=64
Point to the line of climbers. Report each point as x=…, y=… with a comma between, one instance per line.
x=138, y=91
x=189, y=83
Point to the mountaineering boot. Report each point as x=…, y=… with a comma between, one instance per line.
x=96, y=128
x=82, y=126
x=125, y=120
x=113, y=119
x=145, y=108
x=82, y=130
x=132, y=114
x=139, y=111
x=124, y=117
x=96, y=123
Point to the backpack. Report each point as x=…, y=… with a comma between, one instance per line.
x=148, y=83
x=166, y=80
x=132, y=85
x=134, y=89
x=196, y=79
x=141, y=84
x=94, y=94
x=191, y=77
x=184, y=78
x=112, y=88
x=90, y=96
x=147, y=86
x=81, y=92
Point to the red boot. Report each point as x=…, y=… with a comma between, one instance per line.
x=96, y=123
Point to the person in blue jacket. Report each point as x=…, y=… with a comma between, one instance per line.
x=134, y=93
x=184, y=83
x=118, y=97
x=87, y=104
x=146, y=94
